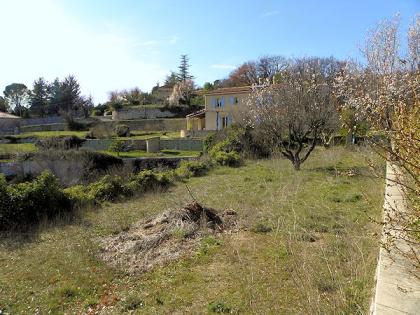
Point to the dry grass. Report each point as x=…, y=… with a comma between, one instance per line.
x=307, y=246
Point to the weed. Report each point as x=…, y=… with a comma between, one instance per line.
x=219, y=307
x=132, y=303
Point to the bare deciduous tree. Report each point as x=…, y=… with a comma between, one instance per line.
x=386, y=93
x=292, y=116
x=182, y=93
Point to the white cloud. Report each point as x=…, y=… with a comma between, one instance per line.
x=269, y=13
x=43, y=40
x=223, y=66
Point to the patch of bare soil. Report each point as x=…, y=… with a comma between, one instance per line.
x=167, y=237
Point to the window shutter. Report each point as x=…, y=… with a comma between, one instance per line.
x=213, y=101
x=222, y=102
x=232, y=100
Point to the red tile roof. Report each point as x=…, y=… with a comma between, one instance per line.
x=231, y=90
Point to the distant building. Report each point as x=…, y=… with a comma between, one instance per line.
x=162, y=93
x=219, y=107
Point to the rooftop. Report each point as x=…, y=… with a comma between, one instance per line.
x=231, y=90
x=7, y=115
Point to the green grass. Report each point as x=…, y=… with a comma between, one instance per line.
x=163, y=153
x=299, y=251
x=47, y=134
x=6, y=149
x=151, y=134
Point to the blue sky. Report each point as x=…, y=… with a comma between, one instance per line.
x=112, y=45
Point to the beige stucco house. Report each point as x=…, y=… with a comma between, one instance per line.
x=220, y=105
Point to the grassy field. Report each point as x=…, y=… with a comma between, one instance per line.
x=163, y=153
x=307, y=246
x=17, y=148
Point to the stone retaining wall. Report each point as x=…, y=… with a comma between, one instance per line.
x=141, y=113
x=182, y=144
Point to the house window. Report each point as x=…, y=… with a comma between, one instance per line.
x=220, y=102
x=213, y=101
x=234, y=100
x=225, y=122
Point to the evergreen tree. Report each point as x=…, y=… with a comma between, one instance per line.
x=70, y=95
x=38, y=99
x=171, y=79
x=54, y=99
x=184, y=67
x=16, y=95
x=3, y=105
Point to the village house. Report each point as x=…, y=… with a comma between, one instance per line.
x=162, y=93
x=220, y=105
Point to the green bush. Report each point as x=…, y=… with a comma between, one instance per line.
x=243, y=141
x=148, y=180
x=117, y=146
x=224, y=148
x=60, y=143
x=227, y=158
x=26, y=203
x=193, y=168
x=108, y=188
x=5, y=202
x=79, y=196
x=75, y=126
x=122, y=130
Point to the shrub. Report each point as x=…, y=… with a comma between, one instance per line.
x=227, y=158
x=122, y=130
x=107, y=189
x=79, y=196
x=5, y=201
x=27, y=203
x=148, y=180
x=117, y=146
x=240, y=140
x=189, y=169
x=75, y=126
x=60, y=143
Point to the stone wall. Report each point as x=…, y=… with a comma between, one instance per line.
x=50, y=127
x=42, y=121
x=182, y=144
x=8, y=125
x=173, y=124
x=103, y=144
x=137, y=144
x=141, y=113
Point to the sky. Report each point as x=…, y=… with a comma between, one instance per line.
x=113, y=45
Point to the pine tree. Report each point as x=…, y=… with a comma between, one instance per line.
x=184, y=68
x=38, y=100
x=54, y=92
